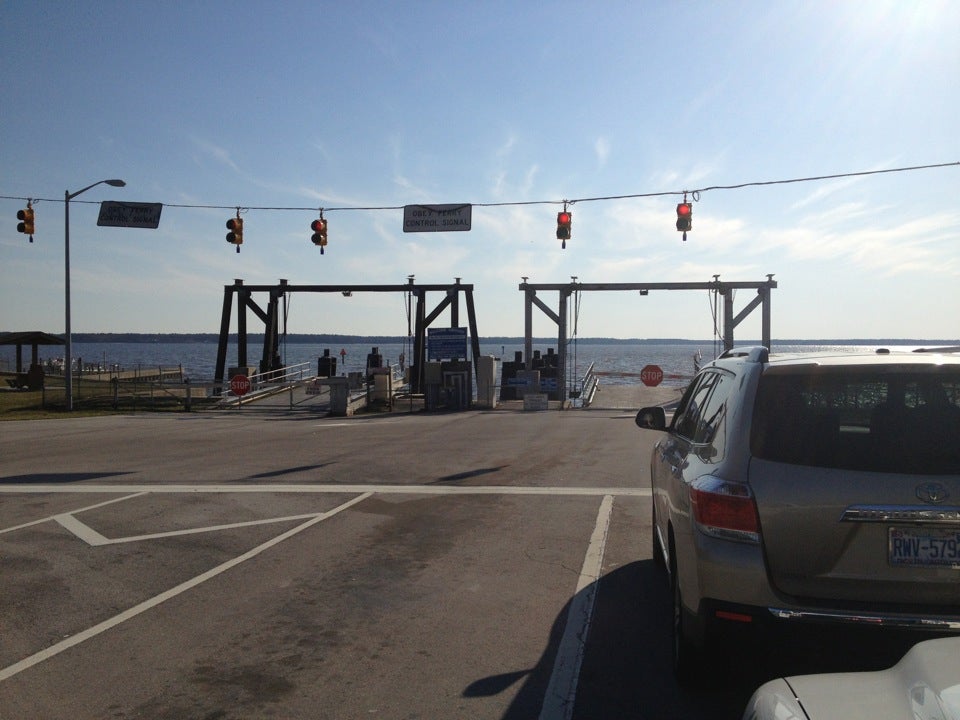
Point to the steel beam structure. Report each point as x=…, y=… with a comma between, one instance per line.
x=270, y=357
x=723, y=288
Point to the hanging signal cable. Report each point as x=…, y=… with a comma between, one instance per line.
x=572, y=201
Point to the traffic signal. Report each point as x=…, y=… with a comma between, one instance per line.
x=684, y=218
x=564, y=221
x=235, y=226
x=319, y=237
x=26, y=221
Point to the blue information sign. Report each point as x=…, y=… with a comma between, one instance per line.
x=446, y=343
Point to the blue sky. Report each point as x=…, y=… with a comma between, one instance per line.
x=372, y=104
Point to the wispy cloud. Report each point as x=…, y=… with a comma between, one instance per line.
x=503, y=188
x=219, y=154
x=507, y=147
x=910, y=247
x=601, y=148
x=328, y=197
x=823, y=191
x=411, y=190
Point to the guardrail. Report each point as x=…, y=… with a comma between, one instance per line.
x=281, y=376
x=583, y=395
x=266, y=384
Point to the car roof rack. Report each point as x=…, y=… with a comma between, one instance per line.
x=758, y=354
x=948, y=349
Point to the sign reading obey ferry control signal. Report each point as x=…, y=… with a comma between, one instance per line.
x=437, y=218
x=129, y=214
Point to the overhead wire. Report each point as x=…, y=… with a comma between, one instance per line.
x=665, y=193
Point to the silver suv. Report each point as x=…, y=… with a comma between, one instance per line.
x=821, y=488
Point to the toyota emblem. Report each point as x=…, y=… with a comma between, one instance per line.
x=933, y=493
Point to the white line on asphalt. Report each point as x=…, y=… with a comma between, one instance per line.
x=70, y=642
x=332, y=488
x=357, y=423
x=78, y=510
x=561, y=692
x=84, y=532
x=92, y=537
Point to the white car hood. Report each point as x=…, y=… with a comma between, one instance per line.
x=925, y=685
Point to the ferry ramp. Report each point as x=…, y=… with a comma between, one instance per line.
x=312, y=398
x=633, y=397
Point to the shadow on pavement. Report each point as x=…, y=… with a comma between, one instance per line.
x=626, y=671
x=51, y=478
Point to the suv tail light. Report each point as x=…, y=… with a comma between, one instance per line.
x=725, y=509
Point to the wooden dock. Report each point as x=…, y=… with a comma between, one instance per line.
x=140, y=374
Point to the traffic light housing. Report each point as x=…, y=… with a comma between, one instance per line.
x=684, y=218
x=25, y=217
x=235, y=226
x=564, y=221
x=319, y=236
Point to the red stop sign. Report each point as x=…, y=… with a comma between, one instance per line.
x=239, y=385
x=651, y=375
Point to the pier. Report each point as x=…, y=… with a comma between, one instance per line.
x=157, y=374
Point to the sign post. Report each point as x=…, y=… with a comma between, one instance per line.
x=651, y=375
x=239, y=385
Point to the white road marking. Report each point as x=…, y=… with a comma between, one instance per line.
x=84, y=532
x=92, y=537
x=357, y=423
x=89, y=633
x=78, y=510
x=332, y=488
x=561, y=692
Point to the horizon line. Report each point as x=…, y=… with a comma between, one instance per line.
x=304, y=338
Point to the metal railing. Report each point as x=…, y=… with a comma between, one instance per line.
x=582, y=395
x=265, y=384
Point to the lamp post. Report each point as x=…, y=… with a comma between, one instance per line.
x=68, y=359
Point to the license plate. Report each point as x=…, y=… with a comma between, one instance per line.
x=932, y=547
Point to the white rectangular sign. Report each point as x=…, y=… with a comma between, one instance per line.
x=129, y=214
x=437, y=218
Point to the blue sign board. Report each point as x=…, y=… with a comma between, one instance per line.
x=446, y=343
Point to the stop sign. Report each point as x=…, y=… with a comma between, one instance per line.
x=651, y=375
x=239, y=385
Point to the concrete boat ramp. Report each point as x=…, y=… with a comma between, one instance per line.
x=313, y=398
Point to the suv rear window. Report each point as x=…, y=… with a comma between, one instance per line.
x=900, y=420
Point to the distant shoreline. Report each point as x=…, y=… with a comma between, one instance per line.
x=319, y=339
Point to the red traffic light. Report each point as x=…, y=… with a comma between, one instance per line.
x=564, y=222
x=684, y=218
x=319, y=237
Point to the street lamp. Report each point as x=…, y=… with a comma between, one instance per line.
x=68, y=360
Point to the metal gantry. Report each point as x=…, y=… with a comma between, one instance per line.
x=723, y=288
x=270, y=357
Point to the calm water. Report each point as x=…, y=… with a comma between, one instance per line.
x=199, y=359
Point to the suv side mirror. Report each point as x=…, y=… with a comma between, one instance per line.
x=652, y=418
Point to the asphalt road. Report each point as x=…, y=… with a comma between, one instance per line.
x=483, y=564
